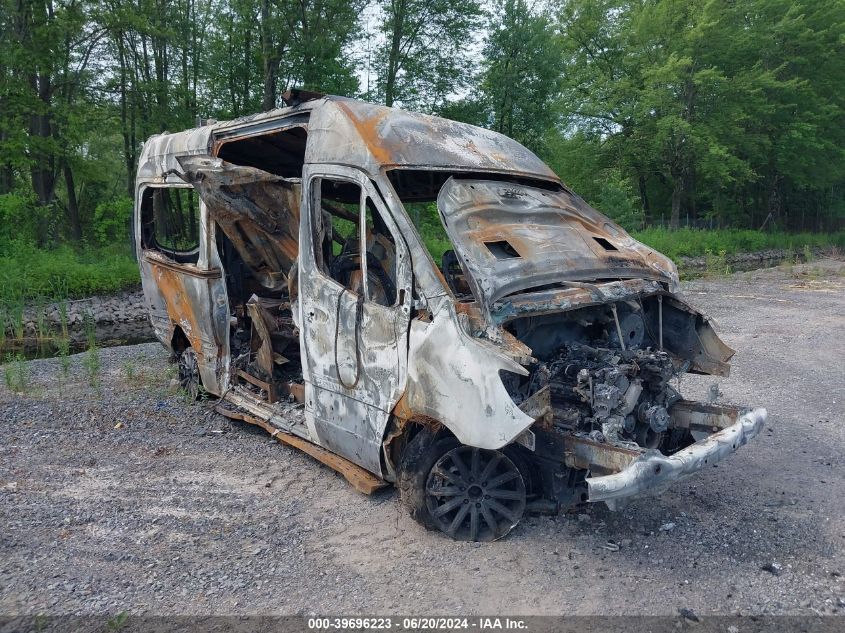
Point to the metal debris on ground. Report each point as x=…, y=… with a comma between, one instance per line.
x=773, y=568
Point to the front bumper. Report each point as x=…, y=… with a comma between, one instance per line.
x=652, y=471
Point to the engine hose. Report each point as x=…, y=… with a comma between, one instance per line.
x=359, y=310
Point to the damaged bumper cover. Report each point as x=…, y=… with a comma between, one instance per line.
x=652, y=471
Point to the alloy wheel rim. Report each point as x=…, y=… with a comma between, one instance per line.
x=474, y=494
x=189, y=375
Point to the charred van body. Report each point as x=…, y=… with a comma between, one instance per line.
x=533, y=366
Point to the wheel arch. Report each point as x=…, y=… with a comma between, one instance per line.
x=179, y=341
x=403, y=427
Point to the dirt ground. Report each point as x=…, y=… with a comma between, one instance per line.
x=124, y=497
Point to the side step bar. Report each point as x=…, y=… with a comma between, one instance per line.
x=362, y=480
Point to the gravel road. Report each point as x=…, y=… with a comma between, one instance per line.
x=124, y=497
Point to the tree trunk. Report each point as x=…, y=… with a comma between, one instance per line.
x=271, y=64
x=677, y=194
x=43, y=170
x=247, y=50
x=775, y=201
x=7, y=176
x=72, y=203
x=128, y=159
x=7, y=179
x=393, y=61
x=641, y=182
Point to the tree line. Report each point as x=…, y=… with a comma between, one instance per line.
x=709, y=113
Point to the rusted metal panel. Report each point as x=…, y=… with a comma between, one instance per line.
x=454, y=378
x=159, y=154
x=539, y=407
x=554, y=301
x=586, y=453
x=185, y=299
x=510, y=238
x=354, y=350
x=258, y=212
x=376, y=137
x=653, y=471
x=700, y=416
x=372, y=137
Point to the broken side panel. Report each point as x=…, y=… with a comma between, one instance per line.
x=258, y=211
x=182, y=278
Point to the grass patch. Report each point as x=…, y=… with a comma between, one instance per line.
x=53, y=275
x=715, y=264
x=697, y=243
x=16, y=373
x=91, y=362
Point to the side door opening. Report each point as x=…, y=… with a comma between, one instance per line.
x=253, y=194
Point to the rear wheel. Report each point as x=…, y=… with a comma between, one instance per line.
x=468, y=493
x=189, y=373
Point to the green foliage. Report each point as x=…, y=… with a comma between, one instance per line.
x=91, y=362
x=258, y=47
x=616, y=200
x=716, y=264
x=809, y=256
x=12, y=310
x=16, y=373
x=91, y=365
x=424, y=59
x=24, y=224
x=712, y=109
x=695, y=243
x=130, y=371
x=19, y=220
x=118, y=622
x=62, y=350
x=707, y=113
x=64, y=272
x=112, y=220
x=522, y=74
x=427, y=221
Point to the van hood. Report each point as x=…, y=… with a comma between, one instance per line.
x=512, y=238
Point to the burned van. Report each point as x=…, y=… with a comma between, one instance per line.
x=531, y=366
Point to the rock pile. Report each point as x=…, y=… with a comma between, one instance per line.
x=121, y=317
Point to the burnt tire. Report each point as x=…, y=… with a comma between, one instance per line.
x=468, y=493
x=190, y=380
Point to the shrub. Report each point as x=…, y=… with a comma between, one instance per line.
x=16, y=373
x=617, y=201
x=18, y=221
x=112, y=220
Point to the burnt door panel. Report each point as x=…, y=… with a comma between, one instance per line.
x=354, y=348
x=182, y=278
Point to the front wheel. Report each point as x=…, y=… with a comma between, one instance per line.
x=468, y=493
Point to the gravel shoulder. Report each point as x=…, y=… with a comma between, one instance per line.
x=122, y=496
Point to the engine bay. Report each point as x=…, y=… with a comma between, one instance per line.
x=607, y=377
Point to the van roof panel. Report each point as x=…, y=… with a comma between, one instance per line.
x=359, y=134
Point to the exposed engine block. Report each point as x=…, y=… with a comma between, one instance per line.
x=612, y=394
